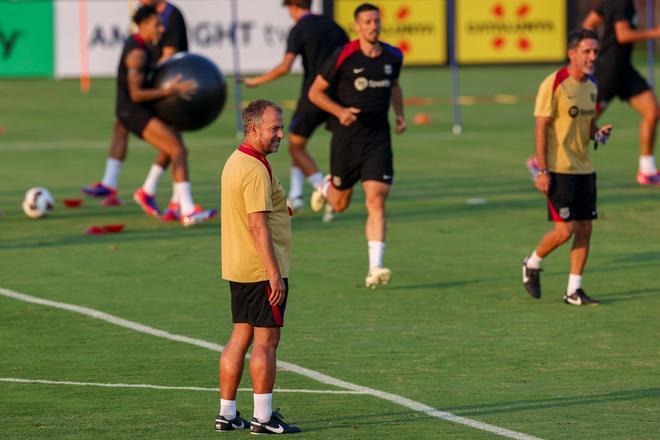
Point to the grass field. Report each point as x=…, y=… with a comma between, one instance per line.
x=454, y=330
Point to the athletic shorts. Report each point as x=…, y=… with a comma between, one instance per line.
x=572, y=197
x=621, y=81
x=135, y=117
x=306, y=118
x=360, y=155
x=249, y=304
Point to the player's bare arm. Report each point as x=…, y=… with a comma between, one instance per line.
x=397, y=105
x=167, y=53
x=135, y=62
x=276, y=72
x=592, y=21
x=542, y=182
x=263, y=243
x=626, y=34
x=319, y=96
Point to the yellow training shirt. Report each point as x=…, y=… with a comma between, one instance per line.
x=571, y=105
x=248, y=186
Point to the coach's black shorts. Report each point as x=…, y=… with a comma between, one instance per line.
x=135, y=117
x=249, y=304
x=622, y=81
x=361, y=154
x=306, y=118
x=572, y=197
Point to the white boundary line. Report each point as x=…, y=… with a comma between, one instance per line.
x=315, y=375
x=160, y=387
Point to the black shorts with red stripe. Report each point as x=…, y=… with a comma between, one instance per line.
x=572, y=197
x=249, y=304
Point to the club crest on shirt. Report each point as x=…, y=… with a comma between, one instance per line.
x=388, y=69
x=564, y=212
x=593, y=97
x=361, y=83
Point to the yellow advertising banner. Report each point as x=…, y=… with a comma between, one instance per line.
x=417, y=27
x=510, y=31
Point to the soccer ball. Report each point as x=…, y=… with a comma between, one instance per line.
x=38, y=202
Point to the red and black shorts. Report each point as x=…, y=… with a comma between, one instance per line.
x=572, y=197
x=249, y=304
x=359, y=154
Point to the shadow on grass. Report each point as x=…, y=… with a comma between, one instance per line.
x=553, y=402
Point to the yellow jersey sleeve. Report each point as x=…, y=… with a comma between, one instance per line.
x=257, y=190
x=545, y=105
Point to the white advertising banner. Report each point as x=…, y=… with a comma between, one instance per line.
x=89, y=34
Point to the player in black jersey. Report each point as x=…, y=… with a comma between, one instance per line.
x=364, y=77
x=617, y=77
x=134, y=112
x=173, y=40
x=314, y=38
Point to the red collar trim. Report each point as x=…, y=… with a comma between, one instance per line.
x=260, y=157
x=139, y=40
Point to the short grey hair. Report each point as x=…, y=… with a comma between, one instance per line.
x=253, y=113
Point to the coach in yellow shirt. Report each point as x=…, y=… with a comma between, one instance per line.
x=256, y=250
x=565, y=114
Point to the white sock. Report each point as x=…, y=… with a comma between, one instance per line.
x=173, y=199
x=263, y=407
x=296, y=183
x=184, y=196
x=325, y=187
x=316, y=180
x=228, y=409
x=150, y=185
x=111, y=174
x=647, y=165
x=574, y=283
x=534, y=261
x=376, y=250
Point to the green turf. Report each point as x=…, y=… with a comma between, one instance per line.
x=454, y=330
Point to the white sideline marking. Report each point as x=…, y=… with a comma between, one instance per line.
x=319, y=377
x=161, y=387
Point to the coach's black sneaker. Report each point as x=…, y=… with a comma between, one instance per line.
x=274, y=426
x=531, y=279
x=580, y=298
x=224, y=425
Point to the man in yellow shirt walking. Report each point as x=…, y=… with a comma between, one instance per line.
x=565, y=114
x=256, y=250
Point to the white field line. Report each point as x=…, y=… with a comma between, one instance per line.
x=160, y=387
x=315, y=375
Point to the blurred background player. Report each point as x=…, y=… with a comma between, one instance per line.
x=174, y=40
x=314, y=38
x=565, y=114
x=617, y=76
x=364, y=75
x=256, y=251
x=134, y=113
